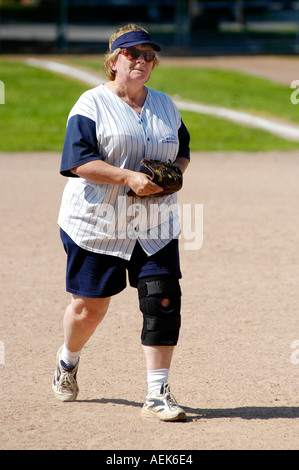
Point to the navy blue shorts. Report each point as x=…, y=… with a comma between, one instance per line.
x=96, y=275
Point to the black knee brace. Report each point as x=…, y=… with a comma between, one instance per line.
x=161, y=324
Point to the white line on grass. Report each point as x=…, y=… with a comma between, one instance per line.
x=283, y=130
x=286, y=131
x=63, y=69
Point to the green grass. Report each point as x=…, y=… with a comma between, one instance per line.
x=210, y=133
x=36, y=107
x=37, y=103
x=228, y=88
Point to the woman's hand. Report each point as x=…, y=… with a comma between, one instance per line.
x=142, y=185
x=97, y=171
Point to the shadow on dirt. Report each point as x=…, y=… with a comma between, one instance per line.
x=194, y=414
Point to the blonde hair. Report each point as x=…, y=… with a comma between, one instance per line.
x=110, y=58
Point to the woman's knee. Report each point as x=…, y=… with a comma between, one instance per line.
x=89, y=310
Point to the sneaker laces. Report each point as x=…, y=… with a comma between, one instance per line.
x=170, y=400
x=67, y=380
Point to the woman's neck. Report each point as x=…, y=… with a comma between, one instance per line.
x=134, y=97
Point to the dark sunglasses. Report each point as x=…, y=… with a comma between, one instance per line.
x=132, y=53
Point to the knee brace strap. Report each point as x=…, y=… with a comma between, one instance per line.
x=160, y=324
x=159, y=286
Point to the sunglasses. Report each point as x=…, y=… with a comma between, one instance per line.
x=132, y=53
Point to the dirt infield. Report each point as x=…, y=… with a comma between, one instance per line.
x=236, y=368
x=282, y=69
x=233, y=370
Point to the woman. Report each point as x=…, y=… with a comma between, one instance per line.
x=109, y=130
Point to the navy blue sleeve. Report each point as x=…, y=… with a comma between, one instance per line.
x=184, y=141
x=80, y=144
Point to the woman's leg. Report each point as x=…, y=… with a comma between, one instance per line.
x=82, y=316
x=158, y=357
x=159, y=402
x=160, y=304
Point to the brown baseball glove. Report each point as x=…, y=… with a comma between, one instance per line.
x=165, y=175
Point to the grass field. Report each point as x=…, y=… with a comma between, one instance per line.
x=37, y=103
x=36, y=106
x=226, y=88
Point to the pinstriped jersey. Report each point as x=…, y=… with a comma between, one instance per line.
x=101, y=217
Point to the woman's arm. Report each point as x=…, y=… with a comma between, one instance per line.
x=183, y=157
x=97, y=171
x=182, y=163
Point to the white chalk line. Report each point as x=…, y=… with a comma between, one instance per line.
x=286, y=131
x=67, y=70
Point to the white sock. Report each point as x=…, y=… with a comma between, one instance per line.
x=155, y=379
x=70, y=358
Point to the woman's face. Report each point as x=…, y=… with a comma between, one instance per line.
x=136, y=69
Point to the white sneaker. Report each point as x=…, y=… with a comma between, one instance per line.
x=65, y=385
x=163, y=406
